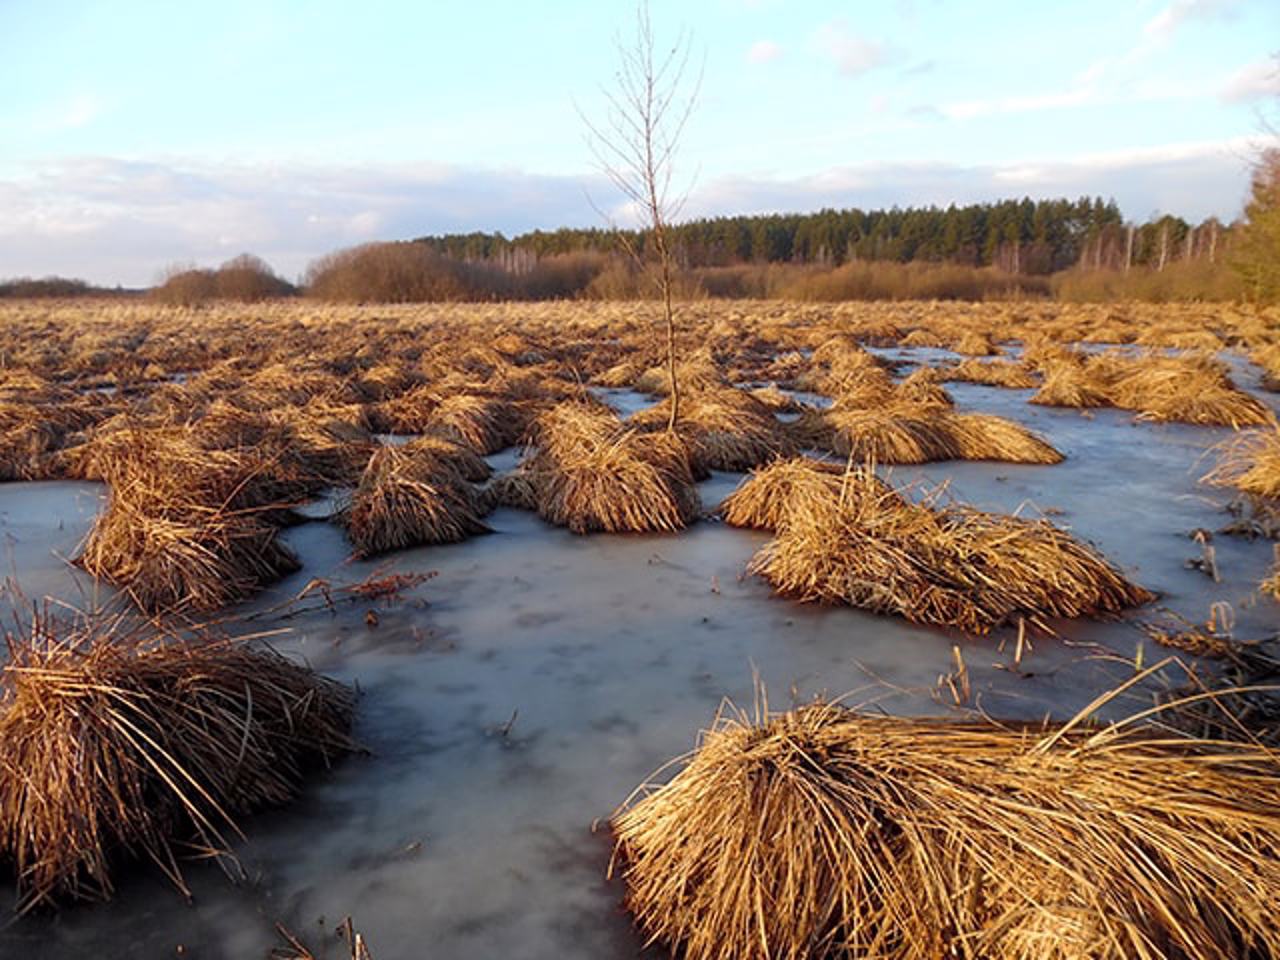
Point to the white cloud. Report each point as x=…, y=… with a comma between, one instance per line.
x=763, y=51
x=1194, y=180
x=1166, y=23
x=1253, y=81
x=116, y=221
x=852, y=53
x=968, y=109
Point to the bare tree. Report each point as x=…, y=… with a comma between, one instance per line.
x=649, y=105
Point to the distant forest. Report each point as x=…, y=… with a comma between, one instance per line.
x=1070, y=250
x=1030, y=237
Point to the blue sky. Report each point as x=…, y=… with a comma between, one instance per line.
x=134, y=135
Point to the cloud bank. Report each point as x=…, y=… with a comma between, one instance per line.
x=118, y=221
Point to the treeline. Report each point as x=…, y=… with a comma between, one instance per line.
x=1029, y=237
x=1072, y=250
x=54, y=287
x=246, y=278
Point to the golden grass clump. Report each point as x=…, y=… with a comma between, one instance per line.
x=973, y=343
x=485, y=424
x=184, y=526
x=698, y=371
x=1249, y=461
x=984, y=436
x=922, y=388
x=1070, y=382
x=174, y=556
x=831, y=832
x=891, y=436
x=954, y=567
x=408, y=497
x=516, y=488
x=994, y=373
x=1186, y=389
x=129, y=747
x=592, y=474
x=762, y=500
x=460, y=458
x=727, y=428
x=909, y=434
x=776, y=399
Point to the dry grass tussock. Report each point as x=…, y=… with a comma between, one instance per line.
x=290, y=392
x=863, y=544
x=591, y=473
x=1183, y=388
x=829, y=832
x=411, y=496
x=727, y=428
x=185, y=526
x=1249, y=461
x=118, y=746
x=761, y=501
x=908, y=433
x=994, y=373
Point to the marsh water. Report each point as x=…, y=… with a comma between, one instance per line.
x=513, y=701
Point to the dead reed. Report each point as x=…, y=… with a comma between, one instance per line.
x=1250, y=462
x=993, y=373
x=485, y=424
x=727, y=428
x=1069, y=382
x=185, y=526
x=761, y=501
x=829, y=832
x=910, y=434
x=411, y=496
x=954, y=567
x=118, y=745
x=592, y=474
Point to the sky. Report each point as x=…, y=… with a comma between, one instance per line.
x=135, y=136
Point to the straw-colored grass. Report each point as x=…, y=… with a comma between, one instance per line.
x=592, y=474
x=1249, y=461
x=1186, y=389
x=922, y=388
x=1183, y=388
x=761, y=501
x=993, y=373
x=984, y=436
x=119, y=747
x=727, y=428
x=1071, y=383
x=892, y=436
x=183, y=556
x=697, y=371
x=485, y=424
x=189, y=526
x=410, y=496
x=908, y=434
x=829, y=832
x=516, y=488
x=460, y=458
x=972, y=343
x=954, y=567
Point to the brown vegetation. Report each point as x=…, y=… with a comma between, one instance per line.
x=863, y=544
x=1250, y=461
x=116, y=746
x=590, y=473
x=830, y=832
x=411, y=496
